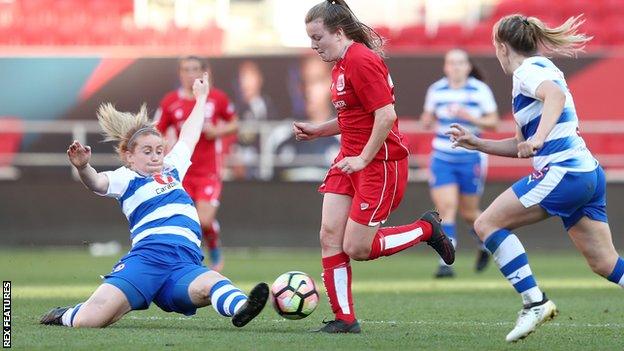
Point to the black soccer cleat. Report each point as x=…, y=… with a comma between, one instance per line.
x=256, y=300
x=445, y=271
x=483, y=258
x=438, y=240
x=54, y=316
x=338, y=326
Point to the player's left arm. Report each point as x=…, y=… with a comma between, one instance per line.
x=223, y=128
x=554, y=101
x=191, y=129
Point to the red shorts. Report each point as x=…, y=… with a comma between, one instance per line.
x=203, y=188
x=376, y=190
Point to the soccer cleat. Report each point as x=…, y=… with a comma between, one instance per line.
x=256, y=300
x=339, y=326
x=54, y=316
x=445, y=272
x=531, y=317
x=438, y=240
x=483, y=258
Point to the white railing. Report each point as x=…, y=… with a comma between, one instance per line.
x=266, y=161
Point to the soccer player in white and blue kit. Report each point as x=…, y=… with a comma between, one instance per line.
x=165, y=262
x=457, y=175
x=566, y=182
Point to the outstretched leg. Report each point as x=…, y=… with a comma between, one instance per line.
x=105, y=306
x=593, y=239
x=493, y=227
x=212, y=288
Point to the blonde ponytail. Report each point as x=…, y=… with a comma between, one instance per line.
x=124, y=127
x=529, y=35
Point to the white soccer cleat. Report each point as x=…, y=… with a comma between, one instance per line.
x=531, y=317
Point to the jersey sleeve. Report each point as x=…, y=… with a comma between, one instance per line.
x=118, y=181
x=179, y=158
x=487, y=101
x=429, y=101
x=531, y=77
x=163, y=117
x=371, y=84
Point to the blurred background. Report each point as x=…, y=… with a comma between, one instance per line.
x=59, y=59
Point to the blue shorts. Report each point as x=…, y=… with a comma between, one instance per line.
x=569, y=195
x=469, y=176
x=158, y=272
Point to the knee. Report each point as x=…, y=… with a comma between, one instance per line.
x=199, y=292
x=330, y=237
x=357, y=251
x=469, y=215
x=482, y=227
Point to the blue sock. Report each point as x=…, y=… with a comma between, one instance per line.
x=215, y=255
x=226, y=298
x=70, y=314
x=617, y=276
x=511, y=259
x=449, y=230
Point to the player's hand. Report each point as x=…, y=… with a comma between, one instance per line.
x=209, y=130
x=201, y=87
x=462, y=113
x=305, y=131
x=78, y=154
x=351, y=164
x=529, y=148
x=462, y=137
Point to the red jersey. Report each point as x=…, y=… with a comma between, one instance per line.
x=175, y=109
x=361, y=84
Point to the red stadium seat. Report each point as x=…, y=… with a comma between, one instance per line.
x=9, y=141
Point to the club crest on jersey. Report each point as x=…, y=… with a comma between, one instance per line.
x=209, y=111
x=363, y=206
x=340, y=82
x=160, y=179
x=179, y=113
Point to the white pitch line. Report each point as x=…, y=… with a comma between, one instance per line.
x=394, y=286
x=421, y=322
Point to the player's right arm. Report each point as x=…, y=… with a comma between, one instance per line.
x=309, y=131
x=79, y=157
x=192, y=128
x=462, y=137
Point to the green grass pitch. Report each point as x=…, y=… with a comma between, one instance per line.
x=398, y=303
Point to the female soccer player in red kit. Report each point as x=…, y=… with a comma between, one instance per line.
x=203, y=180
x=368, y=178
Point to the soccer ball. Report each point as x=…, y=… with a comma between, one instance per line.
x=294, y=295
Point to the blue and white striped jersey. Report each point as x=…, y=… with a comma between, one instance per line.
x=444, y=102
x=157, y=207
x=563, y=146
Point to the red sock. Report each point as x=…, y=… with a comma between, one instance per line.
x=211, y=235
x=391, y=240
x=337, y=280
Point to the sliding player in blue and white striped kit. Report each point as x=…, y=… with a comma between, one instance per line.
x=165, y=262
x=567, y=181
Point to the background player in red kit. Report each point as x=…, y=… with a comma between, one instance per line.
x=368, y=178
x=203, y=180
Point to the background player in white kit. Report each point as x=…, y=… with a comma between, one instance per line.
x=457, y=175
